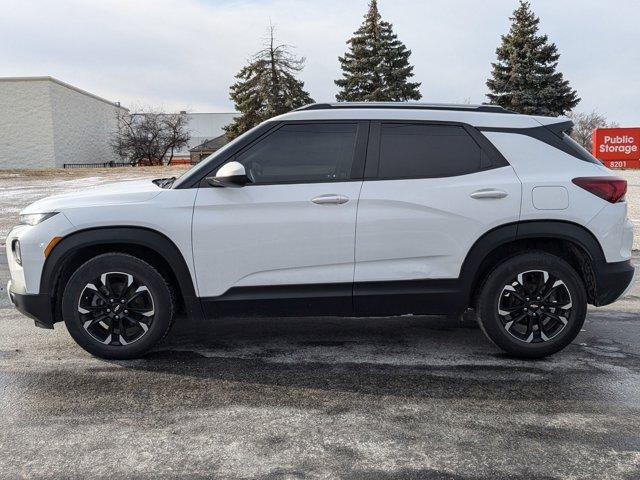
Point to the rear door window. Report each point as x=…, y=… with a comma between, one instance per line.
x=427, y=151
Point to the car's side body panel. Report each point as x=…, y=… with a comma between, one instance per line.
x=273, y=235
x=169, y=213
x=423, y=228
x=419, y=296
x=539, y=165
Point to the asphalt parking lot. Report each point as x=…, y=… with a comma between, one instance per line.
x=387, y=398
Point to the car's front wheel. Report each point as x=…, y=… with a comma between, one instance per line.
x=532, y=305
x=117, y=306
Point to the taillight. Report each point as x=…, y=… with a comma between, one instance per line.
x=611, y=189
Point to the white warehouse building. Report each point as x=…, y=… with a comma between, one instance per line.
x=46, y=123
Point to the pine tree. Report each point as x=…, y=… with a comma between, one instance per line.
x=267, y=87
x=524, y=79
x=376, y=67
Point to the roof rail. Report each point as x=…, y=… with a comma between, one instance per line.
x=406, y=105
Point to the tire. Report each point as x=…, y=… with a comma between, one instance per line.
x=117, y=306
x=512, y=317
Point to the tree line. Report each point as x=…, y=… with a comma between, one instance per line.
x=376, y=67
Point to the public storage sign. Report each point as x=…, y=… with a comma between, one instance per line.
x=617, y=147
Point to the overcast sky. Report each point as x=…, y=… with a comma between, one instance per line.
x=183, y=54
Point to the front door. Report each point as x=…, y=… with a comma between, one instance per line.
x=285, y=241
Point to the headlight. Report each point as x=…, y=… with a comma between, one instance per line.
x=17, y=254
x=35, y=218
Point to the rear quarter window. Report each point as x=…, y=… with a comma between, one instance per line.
x=579, y=151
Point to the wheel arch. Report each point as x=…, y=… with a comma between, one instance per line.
x=568, y=240
x=147, y=244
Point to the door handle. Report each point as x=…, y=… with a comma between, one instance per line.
x=489, y=193
x=330, y=199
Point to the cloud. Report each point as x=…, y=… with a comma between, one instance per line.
x=184, y=54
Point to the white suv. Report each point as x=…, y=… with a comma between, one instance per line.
x=343, y=209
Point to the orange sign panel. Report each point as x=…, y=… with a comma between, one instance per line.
x=617, y=147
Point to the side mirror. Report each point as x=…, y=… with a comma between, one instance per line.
x=231, y=174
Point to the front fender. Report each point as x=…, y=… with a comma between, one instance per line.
x=122, y=236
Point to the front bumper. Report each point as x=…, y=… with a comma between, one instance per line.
x=37, y=307
x=612, y=281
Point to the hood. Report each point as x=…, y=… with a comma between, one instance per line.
x=109, y=194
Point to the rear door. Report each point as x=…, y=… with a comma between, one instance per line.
x=289, y=235
x=430, y=191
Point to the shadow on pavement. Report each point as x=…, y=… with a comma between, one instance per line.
x=419, y=357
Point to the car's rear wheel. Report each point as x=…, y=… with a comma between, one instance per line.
x=532, y=305
x=117, y=306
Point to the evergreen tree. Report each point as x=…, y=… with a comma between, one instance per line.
x=524, y=79
x=376, y=67
x=267, y=87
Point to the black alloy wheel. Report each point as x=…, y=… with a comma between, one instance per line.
x=117, y=306
x=532, y=304
x=535, y=306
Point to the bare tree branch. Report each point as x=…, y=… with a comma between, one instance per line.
x=584, y=124
x=147, y=137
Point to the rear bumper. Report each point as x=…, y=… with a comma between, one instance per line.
x=612, y=281
x=36, y=307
